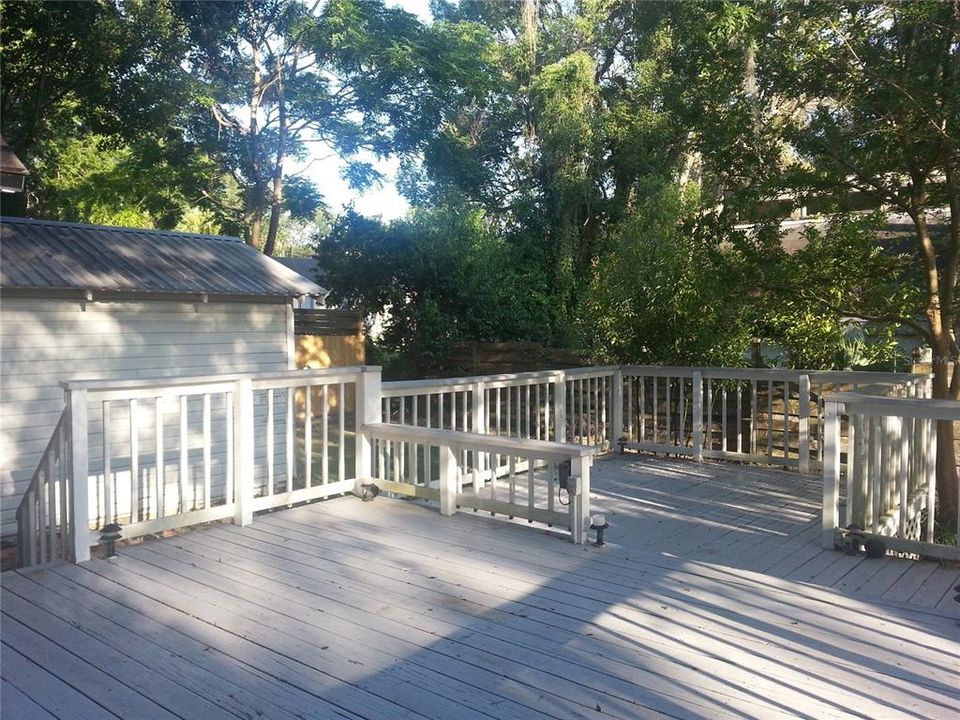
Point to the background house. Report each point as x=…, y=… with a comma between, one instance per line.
x=86, y=301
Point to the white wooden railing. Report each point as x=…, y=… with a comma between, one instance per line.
x=765, y=416
x=500, y=475
x=573, y=406
x=889, y=483
x=155, y=455
x=44, y=514
x=160, y=454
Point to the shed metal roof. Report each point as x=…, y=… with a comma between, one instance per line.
x=50, y=255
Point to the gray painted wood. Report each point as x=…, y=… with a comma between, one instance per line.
x=388, y=610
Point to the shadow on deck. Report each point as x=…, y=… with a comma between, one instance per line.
x=699, y=608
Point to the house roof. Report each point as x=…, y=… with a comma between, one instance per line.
x=9, y=162
x=305, y=266
x=49, y=255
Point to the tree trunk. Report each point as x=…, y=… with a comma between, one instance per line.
x=256, y=200
x=943, y=389
x=276, y=200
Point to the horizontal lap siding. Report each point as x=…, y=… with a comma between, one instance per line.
x=45, y=341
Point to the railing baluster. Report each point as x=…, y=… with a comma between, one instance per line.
x=325, y=408
x=289, y=436
x=228, y=489
x=709, y=432
x=723, y=418
x=134, y=461
x=51, y=480
x=270, y=439
x=770, y=420
x=786, y=419
x=739, y=418
x=108, y=515
x=63, y=438
x=342, y=435
x=643, y=409
x=207, y=452
x=754, y=425
x=668, y=410
x=308, y=436
x=184, y=450
x=42, y=520
x=654, y=421
x=531, y=492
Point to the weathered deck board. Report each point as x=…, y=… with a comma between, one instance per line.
x=387, y=610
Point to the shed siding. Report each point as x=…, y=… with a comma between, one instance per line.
x=45, y=341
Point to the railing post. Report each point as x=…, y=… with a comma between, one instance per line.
x=81, y=536
x=560, y=407
x=580, y=502
x=831, y=472
x=448, y=481
x=804, y=422
x=243, y=451
x=698, y=416
x=369, y=410
x=616, y=415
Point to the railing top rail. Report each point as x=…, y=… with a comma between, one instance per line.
x=396, y=388
x=896, y=407
x=715, y=373
x=106, y=385
x=465, y=382
x=473, y=441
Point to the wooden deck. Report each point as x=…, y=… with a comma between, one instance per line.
x=712, y=600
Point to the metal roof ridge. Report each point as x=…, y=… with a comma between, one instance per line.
x=117, y=228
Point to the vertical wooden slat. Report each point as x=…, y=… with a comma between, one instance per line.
x=270, y=440
x=184, y=457
x=786, y=419
x=560, y=408
x=668, y=409
x=289, y=439
x=207, y=452
x=723, y=417
x=804, y=424
x=63, y=438
x=654, y=430
x=325, y=401
x=243, y=443
x=41, y=522
x=630, y=380
x=643, y=409
x=904, y=474
x=51, y=481
x=342, y=433
x=308, y=435
x=739, y=417
x=709, y=432
x=528, y=411
x=108, y=515
x=415, y=458
x=536, y=399
x=552, y=471
x=531, y=494
x=682, y=414
x=876, y=471
x=161, y=490
x=512, y=465
x=269, y=432
x=231, y=444
x=134, y=462
x=753, y=417
x=852, y=468
x=769, y=419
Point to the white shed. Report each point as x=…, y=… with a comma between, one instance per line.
x=86, y=301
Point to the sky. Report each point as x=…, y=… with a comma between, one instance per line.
x=324, y=170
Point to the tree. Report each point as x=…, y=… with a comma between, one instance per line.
x=848, y=99
x=282, y=76
x=440, y=276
